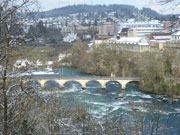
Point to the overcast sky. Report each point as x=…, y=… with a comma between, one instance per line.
x=51, y=4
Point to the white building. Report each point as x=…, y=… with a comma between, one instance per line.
x=49, y=63
x=142, y=28
x=132, y=24
x=62, y=56
x=133, y=41
x=39, y=63
x=22, y=64
x=175, y=37
x=71, y=37
x=142, y=31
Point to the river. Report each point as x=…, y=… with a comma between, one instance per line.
x=104, y=103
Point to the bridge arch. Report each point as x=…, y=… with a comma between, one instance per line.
x=135, y=83
x=52, y=84
x=114, y=83
x=125, y=82
x=92, y=82
x=32, y=84
x=71, y=82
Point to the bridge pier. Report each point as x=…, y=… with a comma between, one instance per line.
x=103, y=83
x=124, y=83
x=123, y=86
x=61, y=86
x=61, y=83
x=83, y=86
x=42, y=82
x=83, y=83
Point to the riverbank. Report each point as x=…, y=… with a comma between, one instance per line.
x=159, y=70
x=106, y=62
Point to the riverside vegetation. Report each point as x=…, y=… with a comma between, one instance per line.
x=159, y=70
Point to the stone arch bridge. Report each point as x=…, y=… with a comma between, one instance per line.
x=84, y=80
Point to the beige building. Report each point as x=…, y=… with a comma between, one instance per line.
x=135, y=44
x=108, y=28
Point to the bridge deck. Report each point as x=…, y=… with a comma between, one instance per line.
x=82, y=78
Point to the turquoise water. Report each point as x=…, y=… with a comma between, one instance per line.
x=105, y=104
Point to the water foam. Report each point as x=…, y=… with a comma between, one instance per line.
x=138, y=94
x=71, y=90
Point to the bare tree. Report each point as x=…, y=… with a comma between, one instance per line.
x=163, y=2
x=14, y=98
x=167, y=4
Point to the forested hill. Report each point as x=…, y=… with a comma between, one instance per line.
x=90, y=8
x=123, y=10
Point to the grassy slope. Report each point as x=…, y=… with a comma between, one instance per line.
x=43, y=53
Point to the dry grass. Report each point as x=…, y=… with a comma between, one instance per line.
x=43, y=53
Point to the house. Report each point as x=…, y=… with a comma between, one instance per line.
x=71, y=37
x=22, y=64
x=175, y=37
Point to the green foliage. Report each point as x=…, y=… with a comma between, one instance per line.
x=168, y=66
x=165, y=87
x=102, y=61
x=178, y=88
x=43, y=53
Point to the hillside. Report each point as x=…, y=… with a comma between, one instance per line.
x=89, y=9
x=124, y=10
